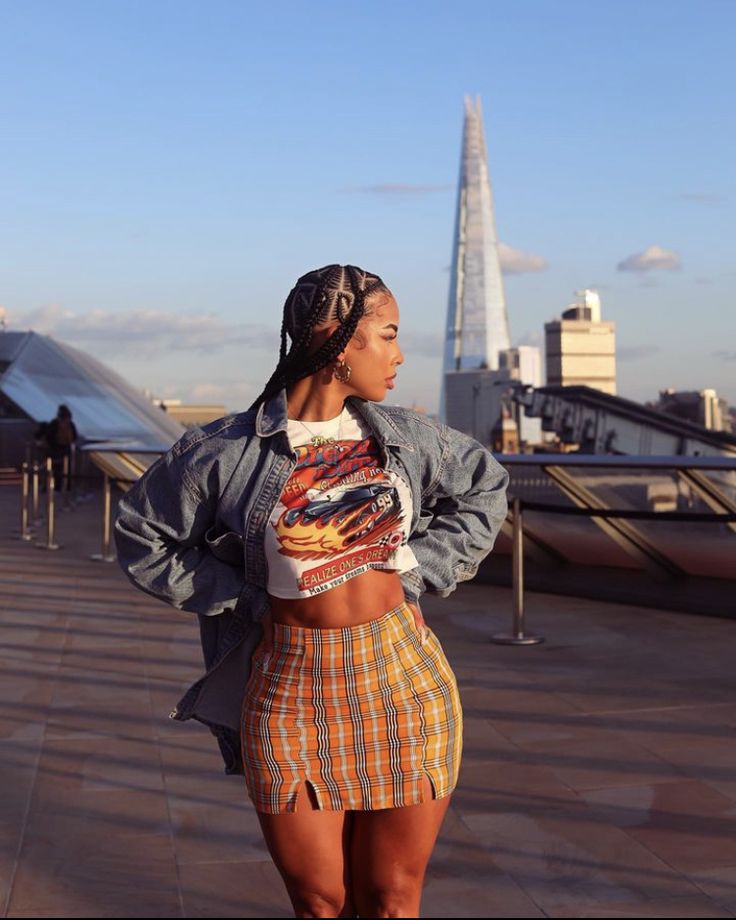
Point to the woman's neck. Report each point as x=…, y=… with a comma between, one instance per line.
x=312, y=403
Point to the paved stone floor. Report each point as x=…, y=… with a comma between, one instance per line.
x=598, y=779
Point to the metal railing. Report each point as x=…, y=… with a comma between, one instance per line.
x=588, y=505
x=556, y=468
x=42, y=478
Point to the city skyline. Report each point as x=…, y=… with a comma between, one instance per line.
x=158, y=212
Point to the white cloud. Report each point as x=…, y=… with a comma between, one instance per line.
x=652, y=258
x=636, y=352
x=531, y=337
x=416, y=344
x=223, y=391
x=144, y=332
x=704, y=197
x=517, y=262
x=398, y=189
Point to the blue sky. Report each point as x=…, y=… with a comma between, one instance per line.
x=168, y=169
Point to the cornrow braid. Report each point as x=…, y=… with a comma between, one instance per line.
x=323, y=296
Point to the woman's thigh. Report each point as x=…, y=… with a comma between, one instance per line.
x=390, y=850
x=310, y=848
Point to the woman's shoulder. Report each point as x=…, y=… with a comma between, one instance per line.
x=217, y=433
x=409, y=415
x=417, y=426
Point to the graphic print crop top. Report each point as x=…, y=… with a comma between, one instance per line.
x=340, y=513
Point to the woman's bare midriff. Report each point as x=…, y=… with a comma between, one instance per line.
x=357, y=600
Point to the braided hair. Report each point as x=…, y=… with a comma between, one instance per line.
x=334, y=293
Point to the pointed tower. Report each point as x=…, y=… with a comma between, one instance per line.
x=477, y=323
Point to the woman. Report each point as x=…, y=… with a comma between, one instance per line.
x=350, y=719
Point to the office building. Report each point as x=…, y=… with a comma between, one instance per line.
x=580, y=348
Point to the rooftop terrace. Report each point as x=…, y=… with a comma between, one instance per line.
x=598, y=778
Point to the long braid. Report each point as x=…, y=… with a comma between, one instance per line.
x=335, y=292
x=284, y=374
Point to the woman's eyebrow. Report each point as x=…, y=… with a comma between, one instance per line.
x=391, y=326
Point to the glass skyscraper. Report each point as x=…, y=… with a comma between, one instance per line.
x=477, y=322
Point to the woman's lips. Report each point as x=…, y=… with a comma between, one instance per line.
x=390, y=382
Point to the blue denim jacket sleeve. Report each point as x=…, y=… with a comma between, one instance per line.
x=161, y=533
x=461, y=514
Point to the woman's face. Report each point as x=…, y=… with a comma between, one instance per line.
x=374, y=359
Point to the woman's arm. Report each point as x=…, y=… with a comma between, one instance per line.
x=419, y=620
x=160, y=533
x=462, y=511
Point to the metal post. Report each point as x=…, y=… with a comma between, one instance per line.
x=65, y=482
x=517, y=637
x=24, y=533
x=35, y=514
x=518, y=567
x=105, y=555
x=49, y=544
x=74, y=461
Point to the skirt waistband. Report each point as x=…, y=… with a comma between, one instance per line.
x=285, y=635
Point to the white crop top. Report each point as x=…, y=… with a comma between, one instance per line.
x=340, y=514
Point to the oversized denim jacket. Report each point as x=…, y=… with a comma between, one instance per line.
x=191, y=531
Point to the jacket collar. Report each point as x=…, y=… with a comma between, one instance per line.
x=272, y=416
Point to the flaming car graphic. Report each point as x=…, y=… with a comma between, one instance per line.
x=330, y=525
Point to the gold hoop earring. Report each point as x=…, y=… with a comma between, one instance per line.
x=342, y=371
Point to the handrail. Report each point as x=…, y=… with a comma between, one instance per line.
x=518, y=505
x=699, y=516
x=624, y=461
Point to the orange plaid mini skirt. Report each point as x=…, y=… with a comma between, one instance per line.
x=361, y=712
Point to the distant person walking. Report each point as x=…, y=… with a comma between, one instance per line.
x=61, y=433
